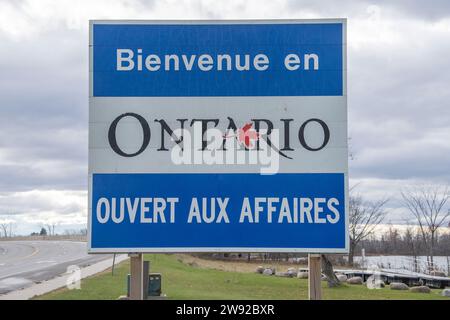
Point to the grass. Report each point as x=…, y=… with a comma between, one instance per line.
x=182, y=281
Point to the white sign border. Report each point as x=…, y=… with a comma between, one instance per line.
x=344, y=250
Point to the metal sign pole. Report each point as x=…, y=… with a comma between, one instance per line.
x=113, y=264
x=314, y=277
x=136, y=276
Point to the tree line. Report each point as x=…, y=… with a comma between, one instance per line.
x=427, y=207
x=408, y=242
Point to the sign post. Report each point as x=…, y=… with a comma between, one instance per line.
x=136, y=277
x=218, y=136
x=314, y=277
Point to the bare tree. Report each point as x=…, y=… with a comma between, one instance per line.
x=327, y=265
x=364, y=217
x=328, y=271
x=409, y=237
x=48, y=226
x=51, y=226
x=11, y=228
x=4, y=229
x=426, y=204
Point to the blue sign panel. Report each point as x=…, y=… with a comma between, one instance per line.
x=157, y=211
x=137, y=60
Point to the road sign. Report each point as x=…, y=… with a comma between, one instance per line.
x=218, y=136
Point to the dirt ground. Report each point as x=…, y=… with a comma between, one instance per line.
x=237, y=266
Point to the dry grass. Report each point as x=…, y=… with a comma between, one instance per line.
x=235, y=266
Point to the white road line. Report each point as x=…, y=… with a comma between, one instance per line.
x=46, y=261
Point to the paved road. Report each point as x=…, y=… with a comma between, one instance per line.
x=23, y=263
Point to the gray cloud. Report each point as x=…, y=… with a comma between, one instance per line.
x=398, y=102
x=44, y=112
x=417, y=9
x=438, y=9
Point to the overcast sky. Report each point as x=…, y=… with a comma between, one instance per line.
x=398, y=95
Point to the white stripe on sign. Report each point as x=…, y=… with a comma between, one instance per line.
x=285, y=114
